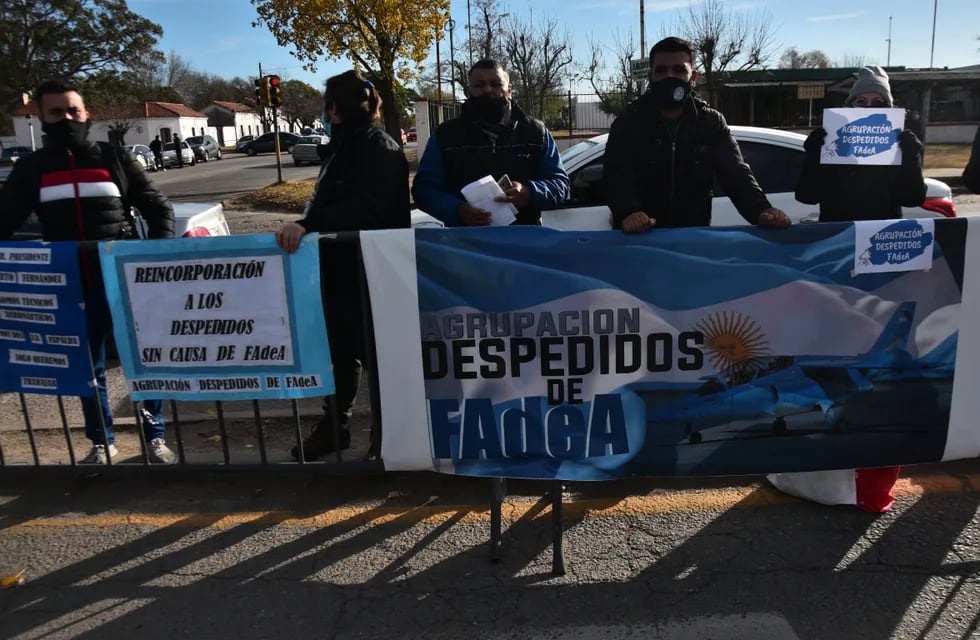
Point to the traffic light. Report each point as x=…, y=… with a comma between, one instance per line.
x=262, y=91
x=275, y=92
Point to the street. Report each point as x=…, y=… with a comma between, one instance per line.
x=405, y=556
x=233, y=175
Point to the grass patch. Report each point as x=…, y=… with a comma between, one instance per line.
x=290, y=196
x=946, y=156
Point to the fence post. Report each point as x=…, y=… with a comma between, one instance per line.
x=569, y=113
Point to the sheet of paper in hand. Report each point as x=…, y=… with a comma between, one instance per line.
x=481, y=194
x=862, y=136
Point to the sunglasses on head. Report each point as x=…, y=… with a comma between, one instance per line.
x=874, y=102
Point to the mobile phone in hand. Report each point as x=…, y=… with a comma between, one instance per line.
x=505, y=183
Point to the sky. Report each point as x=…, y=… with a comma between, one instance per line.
x=217, y=37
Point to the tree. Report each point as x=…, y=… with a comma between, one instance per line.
x=388, y=40
x=848, y=61
x=483, y=41
x=726, y=40
x=539, y=57
x=42, y=39
x=616, y=88
x=793, y=59
x=301, y=103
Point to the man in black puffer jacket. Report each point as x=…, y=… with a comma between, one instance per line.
x=491, y=137
x=82, y=190
x=665, y=150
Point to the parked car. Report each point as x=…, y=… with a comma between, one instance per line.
x=411, y=135
x=204, y=148
x=266, y=143
x=776, y=158
x=305, y=149
x=143, y=155
x=241, y=142
x=170, y=155
x=191, y=220
x=12, y=153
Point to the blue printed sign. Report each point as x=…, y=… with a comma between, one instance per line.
x=862, y=136
x=893, y=245
x=593, y=355
x=43, y=339
x=218, y=318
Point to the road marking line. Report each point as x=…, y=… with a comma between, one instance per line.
x=360, y=515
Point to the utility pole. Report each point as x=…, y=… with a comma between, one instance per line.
x=888, y=63
x=643, y=30
x=439, y=71
x=932, y=50
x=469, y=32
x=452, y=60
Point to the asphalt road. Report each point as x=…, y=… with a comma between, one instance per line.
x=405, y=556
x=233, y=175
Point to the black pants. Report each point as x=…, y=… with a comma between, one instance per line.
x=344, y=315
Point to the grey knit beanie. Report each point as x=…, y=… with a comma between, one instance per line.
x=871, y=79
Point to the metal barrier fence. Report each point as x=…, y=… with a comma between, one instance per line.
x=41, y=444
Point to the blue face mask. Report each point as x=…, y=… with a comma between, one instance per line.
x=670, y=92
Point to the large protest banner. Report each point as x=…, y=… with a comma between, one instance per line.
x=196, y=319
x=590, y=355
x=43, y=340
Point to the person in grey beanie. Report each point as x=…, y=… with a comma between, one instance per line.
x=858, y=192
x=863, y=192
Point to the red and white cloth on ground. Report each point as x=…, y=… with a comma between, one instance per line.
x=868, y=489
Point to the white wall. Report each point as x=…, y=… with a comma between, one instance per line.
x=960, y=133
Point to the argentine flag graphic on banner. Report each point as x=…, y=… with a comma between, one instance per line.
x=526, y=352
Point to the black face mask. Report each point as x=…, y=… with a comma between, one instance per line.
x=487, y=109
x=67, y=133
x=670, y=92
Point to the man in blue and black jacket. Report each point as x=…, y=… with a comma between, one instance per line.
x=491, y=137
x=82, y=190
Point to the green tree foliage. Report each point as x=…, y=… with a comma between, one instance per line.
x=793, y=59
x=388, y=39
x=301, y=103
x=42, y=39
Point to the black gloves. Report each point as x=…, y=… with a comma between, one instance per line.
x=911, y=147
x=814, y=142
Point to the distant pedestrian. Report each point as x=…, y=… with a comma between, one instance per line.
x=157, y=148
x=178, y=151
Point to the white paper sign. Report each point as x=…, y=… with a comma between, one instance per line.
x=893, y=245
x=216, y=312
x=481, y=194
x=862, y=136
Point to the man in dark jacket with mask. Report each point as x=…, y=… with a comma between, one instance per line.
x=81, y=190
x=491, y=137
x=667, y=147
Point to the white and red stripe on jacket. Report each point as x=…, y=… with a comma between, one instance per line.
x=91, y=183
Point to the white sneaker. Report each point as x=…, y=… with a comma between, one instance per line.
x=98, y=454
x=160, y=452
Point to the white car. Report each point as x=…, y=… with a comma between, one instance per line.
x=170, y=155
x=776, y=158
x=191, y=220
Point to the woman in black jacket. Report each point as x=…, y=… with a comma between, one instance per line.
x=363, y=184
x=862, y=192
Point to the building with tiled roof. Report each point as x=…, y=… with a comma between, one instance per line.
x=232, y=120
x=138, y=122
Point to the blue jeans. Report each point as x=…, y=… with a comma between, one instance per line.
x=99, y=323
